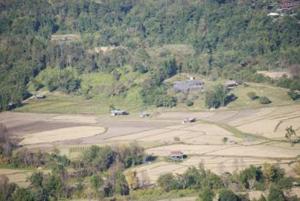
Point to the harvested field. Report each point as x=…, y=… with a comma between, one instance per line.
x=202, y=141
x=17, y=176
x=62, y=134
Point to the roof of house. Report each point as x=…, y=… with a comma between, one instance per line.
x=188, y=84
x=176, y=153
x=231, y=82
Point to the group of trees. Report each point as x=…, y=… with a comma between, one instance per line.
x=268, y=177
x=100, y=168
x=218, y=96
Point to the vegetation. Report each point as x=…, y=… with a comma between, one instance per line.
x=264, y=100
x=218, y=96
x=291, y=135
x=231, y=44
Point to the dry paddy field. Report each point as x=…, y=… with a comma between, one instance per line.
x=254, y=136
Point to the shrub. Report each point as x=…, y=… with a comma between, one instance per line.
x=264, y=100
x=206, y=195
x=167, y=182
x=285, y=183
x=294, y=95
x=165, y=101
x=275, y=194
x=189, y=103
x=250, y=176
x=225, y=140
x=252, y=95
x=227, y=195
x=216, y=97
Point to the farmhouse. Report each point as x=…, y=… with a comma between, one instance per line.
x=188, y=85
x=176, y=155
x=118, y=112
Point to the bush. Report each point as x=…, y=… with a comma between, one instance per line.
x=216, y=97
x=264, y=100
x=294, y=95
x=206, y=195
x=165, y=101
x=251, y=176
x=189, y=103
x=227, y=195
x=285, y=183
x=168, y=182
x=252, y=95
x=275, y=194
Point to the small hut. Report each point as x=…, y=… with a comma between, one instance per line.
x=118, y=112
x=176, y=155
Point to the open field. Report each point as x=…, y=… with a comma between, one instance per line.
x=253, y=136
x=61, y=134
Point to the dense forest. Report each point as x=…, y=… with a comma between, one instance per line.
x=228, y=38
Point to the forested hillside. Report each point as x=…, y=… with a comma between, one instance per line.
x=219, y=38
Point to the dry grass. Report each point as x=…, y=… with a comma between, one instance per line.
x=17, y=176
x=62, y=134
x=274, y=75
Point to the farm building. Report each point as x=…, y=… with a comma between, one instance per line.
x=176, y=155
x=189, y=120
x=188, y=85
x=287, y=5
x=230, y=84
x=118, y=112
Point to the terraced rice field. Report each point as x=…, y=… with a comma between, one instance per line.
x=221, y=140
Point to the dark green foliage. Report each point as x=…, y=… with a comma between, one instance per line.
x=264, y=100
x=97, y=158
x=6, y=189
x=96, y=182
x=121, y=185
x=275, y=194
x=192, y=178
x=65, y=80
x=156, y=94
x=227, y=195
x=130, y=155
x=168, y=182
x=216, y=97
x=251, y=176
x=36, y=179
x=285, y=183
x=206, y=195
x=165, y=101
x=189, y=103
x=294, y=95
x=22, y=194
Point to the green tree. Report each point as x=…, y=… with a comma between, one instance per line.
x=275, y=194
x=22, y=194
x=216, y=97
x=227, y=195
x=206, y=195
x=167, y=182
